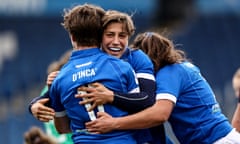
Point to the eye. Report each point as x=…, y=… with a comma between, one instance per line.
x=123, y=35
x=109, y=34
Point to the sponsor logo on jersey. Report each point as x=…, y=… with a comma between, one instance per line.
x=82, y=65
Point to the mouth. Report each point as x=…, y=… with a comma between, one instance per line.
x=115, y=49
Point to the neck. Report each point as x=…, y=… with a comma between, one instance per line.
x=84, y=47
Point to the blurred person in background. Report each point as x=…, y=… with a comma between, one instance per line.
x=183, y=97
x=35, y=135
x=236, y=87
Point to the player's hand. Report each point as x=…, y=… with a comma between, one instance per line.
x=103, y=124
x=42, y=112
x=96, y=94
x=51, y=77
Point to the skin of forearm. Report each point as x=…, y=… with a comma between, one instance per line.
x=62, y=125
x=149, y=117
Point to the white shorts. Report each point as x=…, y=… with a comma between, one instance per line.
x=232, y=138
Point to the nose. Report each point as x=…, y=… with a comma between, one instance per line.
x=116, y=40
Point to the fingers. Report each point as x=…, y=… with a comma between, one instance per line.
x=96, y=84
x=93, y=106
x=44, y=118
x=42, y=112
x=51, y=77
x=43, y=101
x=99, y=125
x=86, y=101
x=81, y=95
x=44, y=108
x=84, y=88
x=102, y=114
x=93, y=131
x=99, y=87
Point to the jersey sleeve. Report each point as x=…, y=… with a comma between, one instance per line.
x=141, y=64
x=169, y=80
x=132, y=81
x=143, y=67
x=55, y=100
x=134, y=102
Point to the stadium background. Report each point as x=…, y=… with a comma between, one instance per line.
x=31, y=37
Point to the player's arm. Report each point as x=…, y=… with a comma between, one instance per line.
x=61, y=120
x=39, y=106
x=62, y=124
x=131, y=102
x=36, y=99
x=134, y=102
x=152, y=116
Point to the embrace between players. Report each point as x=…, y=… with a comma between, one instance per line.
x=109, y=92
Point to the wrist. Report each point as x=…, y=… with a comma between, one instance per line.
x=30, y=108
x=116, y=125
x=111, y=97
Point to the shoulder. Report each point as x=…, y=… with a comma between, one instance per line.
x=180, y=70
x=180, y=67
x=140, y=61
x=139, y=53
x=116, y=62
x=171, y=71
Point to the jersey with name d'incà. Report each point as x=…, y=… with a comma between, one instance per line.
x=85, y=67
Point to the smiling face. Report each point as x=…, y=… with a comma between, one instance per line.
x=115, y=39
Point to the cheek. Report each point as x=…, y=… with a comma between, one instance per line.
x=105, y=42
x=124, y=42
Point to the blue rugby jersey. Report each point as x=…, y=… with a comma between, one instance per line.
x=196, y=117
x=84, y=67
x=140, y=62
x=144, y=70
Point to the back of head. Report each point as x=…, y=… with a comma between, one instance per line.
x=160, y=49
x=83, y=22
x=113, y=16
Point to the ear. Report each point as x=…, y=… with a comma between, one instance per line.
x=73, y=40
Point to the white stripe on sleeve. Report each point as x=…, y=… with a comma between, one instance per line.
x=61, y=114
x=166, y=96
